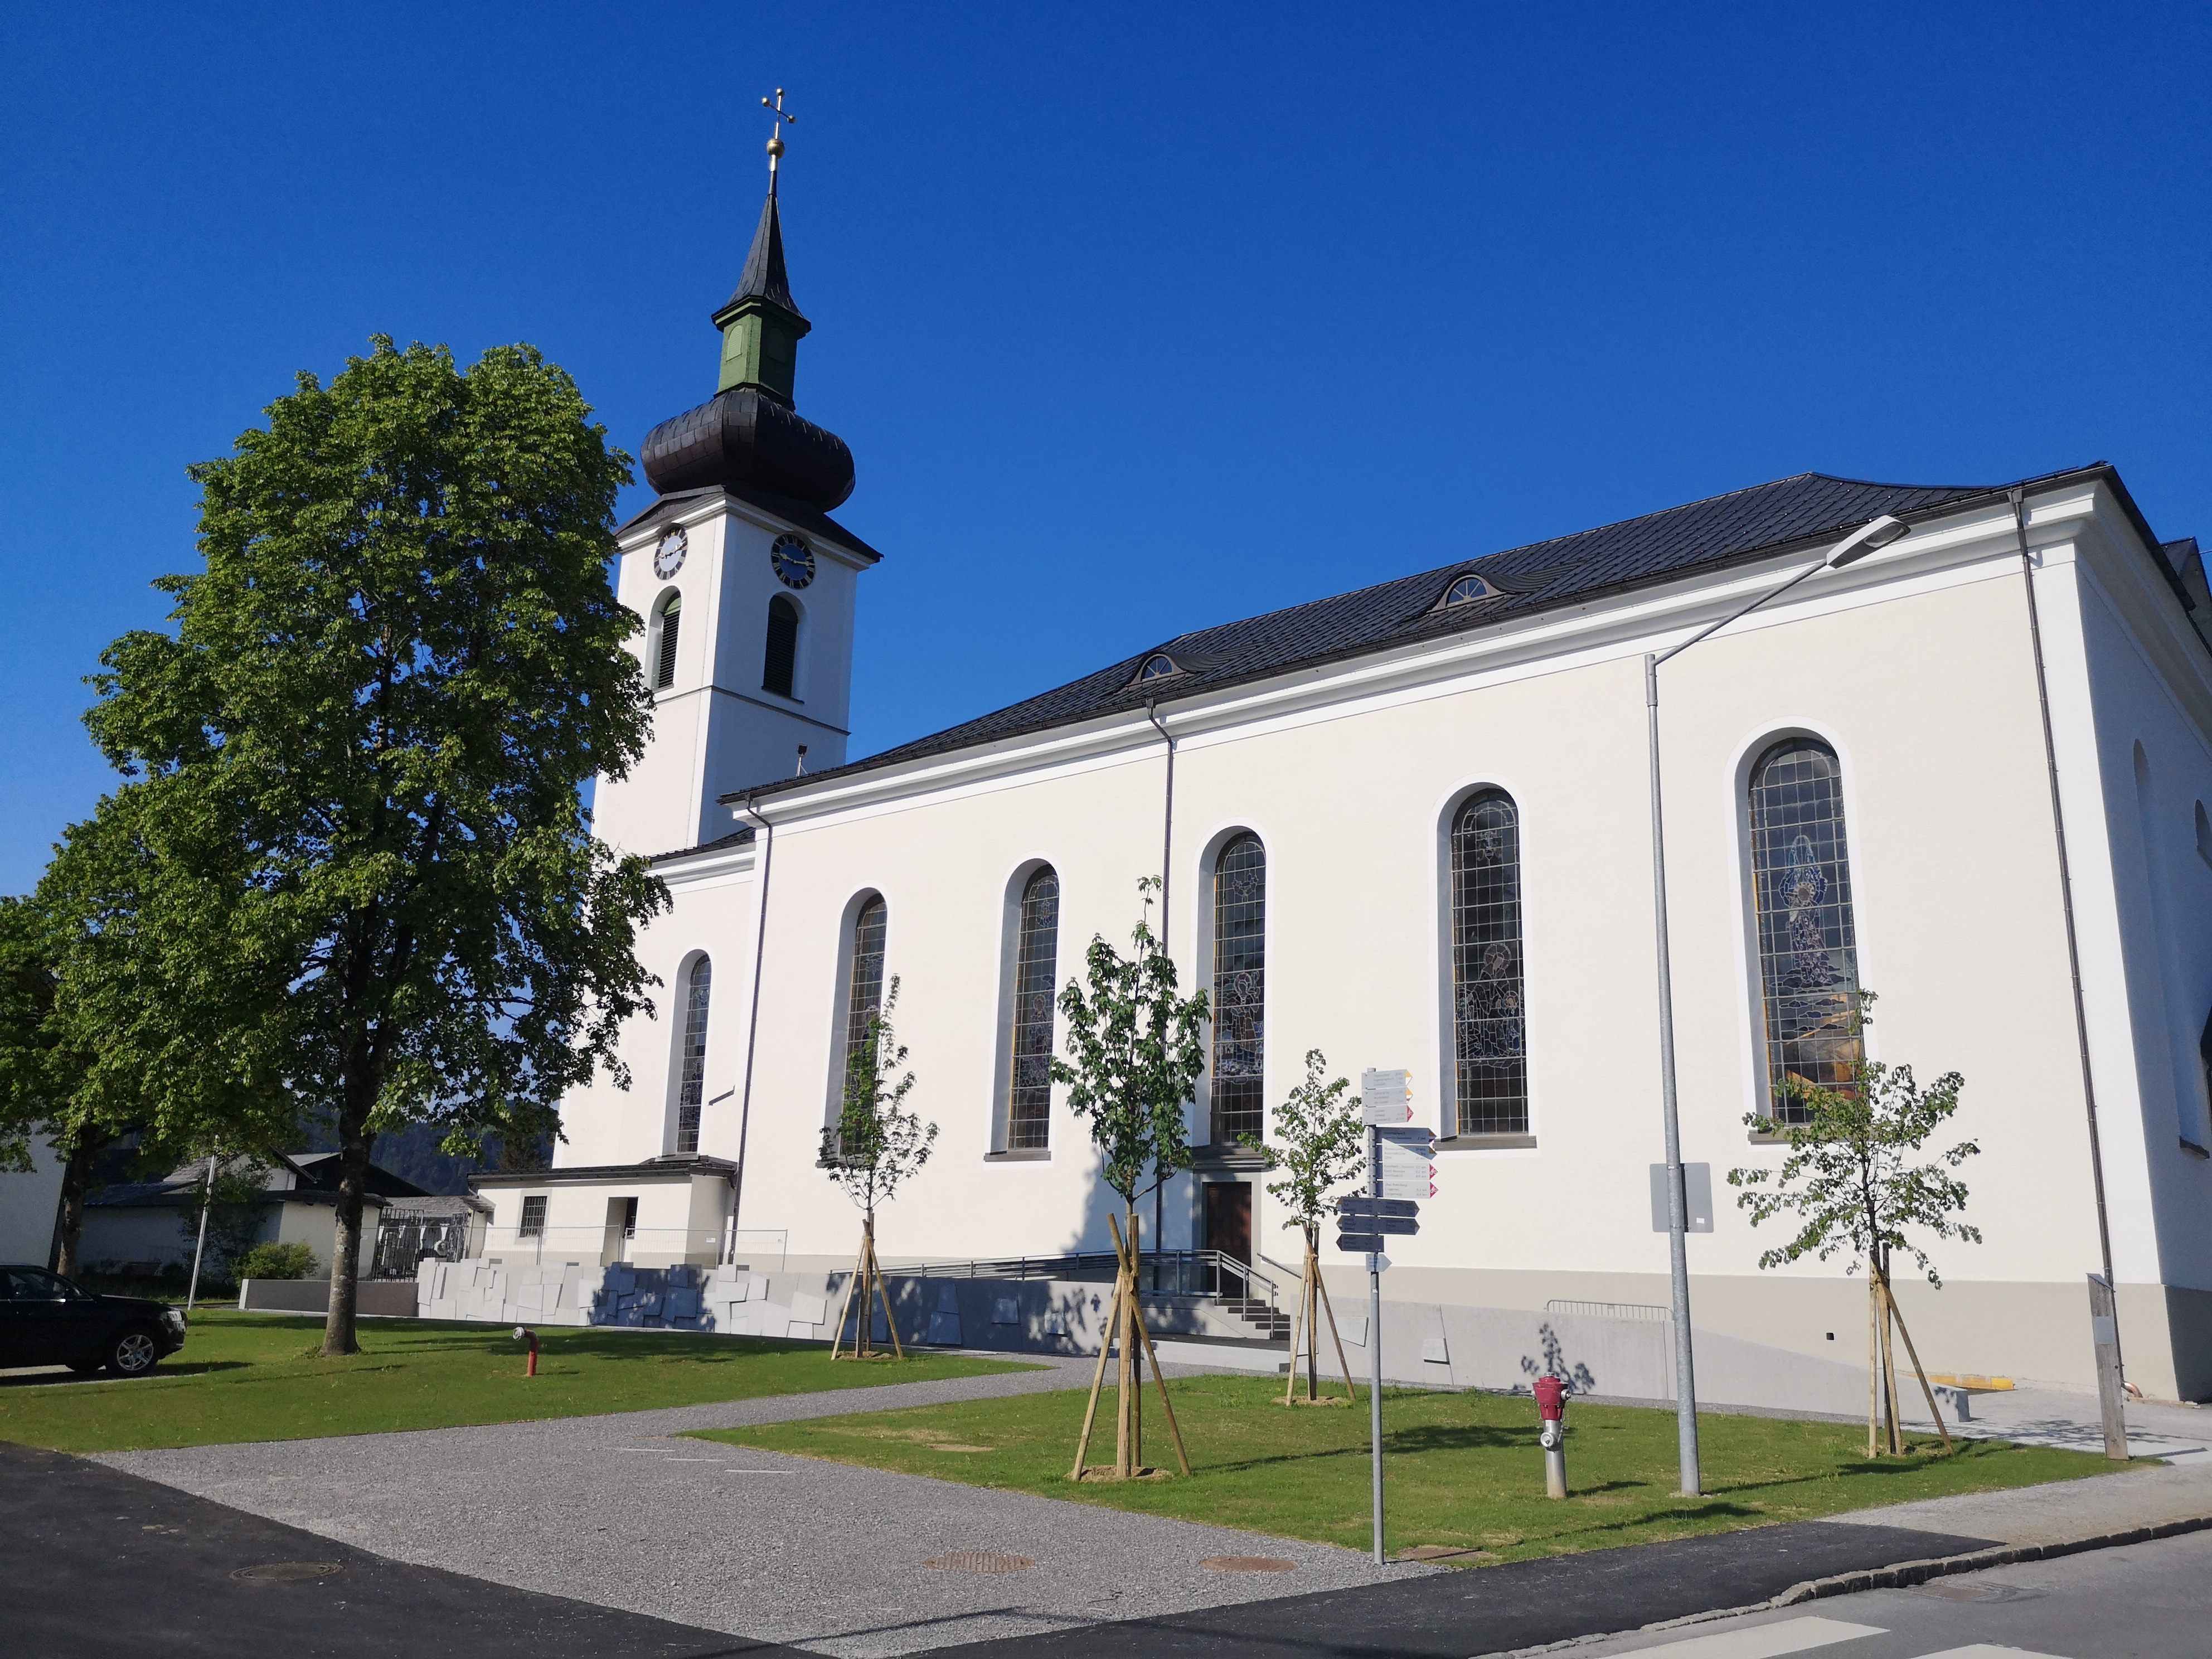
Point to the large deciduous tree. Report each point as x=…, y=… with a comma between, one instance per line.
x=349, y=876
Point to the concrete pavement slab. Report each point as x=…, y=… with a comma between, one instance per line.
x=96, y=1563
x=823, y=1556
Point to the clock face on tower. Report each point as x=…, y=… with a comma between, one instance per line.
x=793, y=561
x=668, y=557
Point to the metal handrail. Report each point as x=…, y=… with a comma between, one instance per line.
x=1165, y=1272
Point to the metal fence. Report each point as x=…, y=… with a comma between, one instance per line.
x=404, y=1241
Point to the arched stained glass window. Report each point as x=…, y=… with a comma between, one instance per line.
x=1490, y=1025
x=692, y=1075
x=1807, y=948
x=1240, y=969
x=780, y=661
x=663, y=664
x=864, y=990
x=1029, y=1095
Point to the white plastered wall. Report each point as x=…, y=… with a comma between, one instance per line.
x=1917, y=668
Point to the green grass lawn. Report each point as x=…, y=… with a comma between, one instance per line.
x=252, y=1377
x=1459, y=1470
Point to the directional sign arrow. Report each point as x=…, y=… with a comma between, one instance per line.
x=1359, y=1204
x=1358, y=1243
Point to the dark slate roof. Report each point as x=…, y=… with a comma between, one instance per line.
x=1744, y=524
x=737, y=839
x=763, y=276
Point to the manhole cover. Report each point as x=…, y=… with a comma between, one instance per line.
x=1248, y=1563
x=1944, y=1590
x=286, y=1572
x=979, y=1561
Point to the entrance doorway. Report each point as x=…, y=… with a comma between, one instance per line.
x=1229, y=1218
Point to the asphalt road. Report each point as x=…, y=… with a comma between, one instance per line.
x=2147, y=1601
x=96, y=1563
x=1488, y=1610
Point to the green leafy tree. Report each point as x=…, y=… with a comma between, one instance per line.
x=875, y=1144
x=1854, y=1181
x=349, y=876
x=1320, y=1143
x=236, y=1203
x=1135, y=1052
x=42, y=1070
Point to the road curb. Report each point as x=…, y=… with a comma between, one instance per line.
x=1903, y=1575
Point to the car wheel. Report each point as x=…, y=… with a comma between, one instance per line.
x=133, y=1353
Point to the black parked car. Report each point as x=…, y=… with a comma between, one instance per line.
x=46, y=1321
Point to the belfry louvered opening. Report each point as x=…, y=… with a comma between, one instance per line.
x=668, y=625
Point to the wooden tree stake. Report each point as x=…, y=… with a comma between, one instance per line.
x=1927, y=1393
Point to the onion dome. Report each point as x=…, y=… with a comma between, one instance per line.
x=747, y=438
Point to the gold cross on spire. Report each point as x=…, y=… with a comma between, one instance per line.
x=783, y=117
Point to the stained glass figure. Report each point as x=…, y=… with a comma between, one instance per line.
x=864, y=996
x=1490, y=1027
x=692, y=1076
x=1807, y=949
x=1240, y=967
x=1028, y=1097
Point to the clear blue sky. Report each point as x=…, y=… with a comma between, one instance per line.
x=1136, y=319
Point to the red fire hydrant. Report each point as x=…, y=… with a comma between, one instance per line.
x=1552, y=1407
x=524, y=1335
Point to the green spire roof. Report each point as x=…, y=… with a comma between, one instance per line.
x=761, y=324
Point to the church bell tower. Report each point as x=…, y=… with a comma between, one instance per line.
x=746, y=585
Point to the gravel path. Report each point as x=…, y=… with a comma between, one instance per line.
x=615, y=1511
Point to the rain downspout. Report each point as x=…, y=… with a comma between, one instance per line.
x=752, y=1020
x=1167, y=865
x=2018, y=497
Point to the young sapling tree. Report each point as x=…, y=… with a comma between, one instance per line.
x=1854, y=1181
x=1135, y=1051
x=876, y=1144
x=1320, y=1143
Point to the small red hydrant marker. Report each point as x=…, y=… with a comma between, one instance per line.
x=1551, y=1407
x=522, y=1334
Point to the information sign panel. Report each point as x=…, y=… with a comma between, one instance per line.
x=1386, y=1097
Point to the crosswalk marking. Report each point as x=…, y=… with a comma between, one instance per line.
x=1761, y=1641
x=1989, y=1650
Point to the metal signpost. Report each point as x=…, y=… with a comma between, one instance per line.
x=1399, y=1176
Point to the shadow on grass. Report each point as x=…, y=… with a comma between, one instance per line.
x=57, y=1378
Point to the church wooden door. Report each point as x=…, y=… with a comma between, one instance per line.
x=1229, y=1218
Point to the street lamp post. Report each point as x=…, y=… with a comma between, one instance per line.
x=1881, y=532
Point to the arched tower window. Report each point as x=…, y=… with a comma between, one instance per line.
x=1028, y=1094
x=1490, y=1025
x=1807, y=945
x=1240, y=969
x=864, y=989
x=667, y=625
x=780, y=661
x=691, y=1059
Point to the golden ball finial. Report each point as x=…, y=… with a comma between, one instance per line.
x=775, y=146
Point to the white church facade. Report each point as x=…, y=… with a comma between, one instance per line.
x=1409, y=827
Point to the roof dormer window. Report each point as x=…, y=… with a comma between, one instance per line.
x=1465, y=590
x=1158, y=666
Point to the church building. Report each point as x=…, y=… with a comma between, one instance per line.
x=1410, y=827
